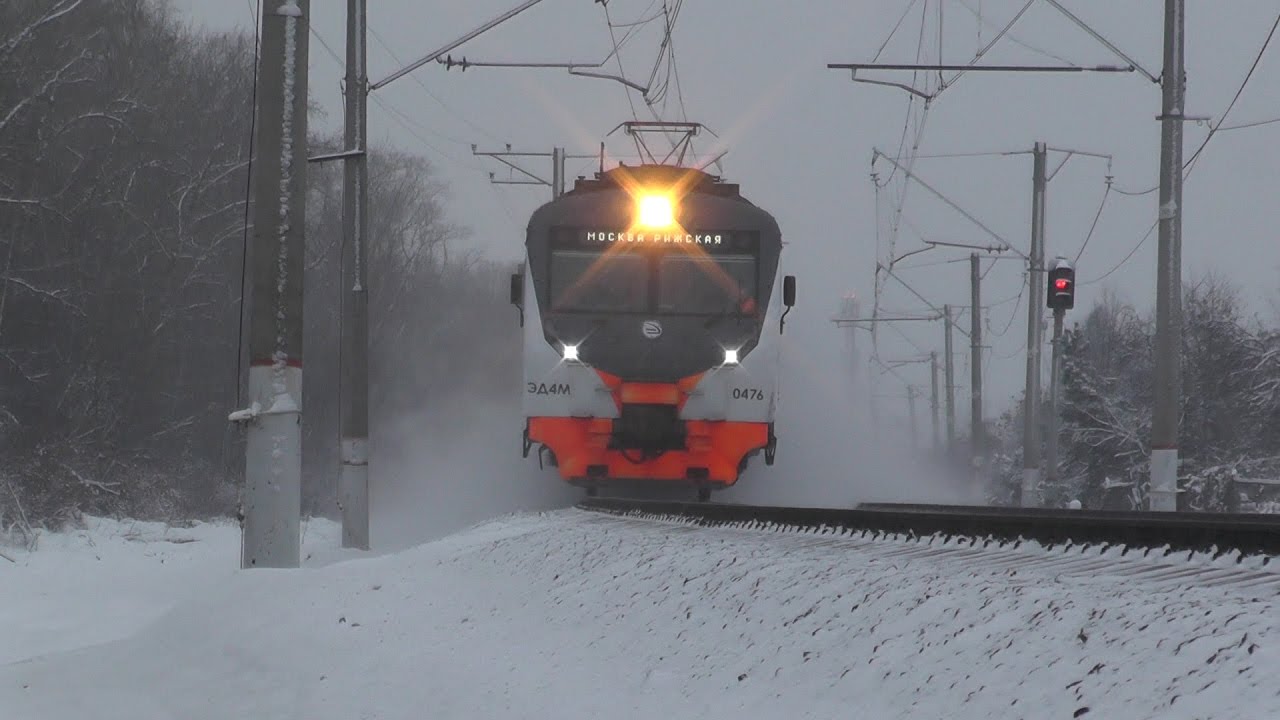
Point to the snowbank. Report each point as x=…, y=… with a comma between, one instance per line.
x=569, y=615
x=110, y=578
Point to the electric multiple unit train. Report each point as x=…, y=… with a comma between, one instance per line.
x=652, y=314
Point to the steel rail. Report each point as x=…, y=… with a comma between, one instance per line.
x=1176, y=532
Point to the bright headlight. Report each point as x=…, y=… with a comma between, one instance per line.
x=655, y=211
x=570, y=352
x=730, y=357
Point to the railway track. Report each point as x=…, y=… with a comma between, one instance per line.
x=1216, y=534
x=1239, y=553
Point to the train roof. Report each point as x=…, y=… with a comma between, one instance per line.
x=693, y=179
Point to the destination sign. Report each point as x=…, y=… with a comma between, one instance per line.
x=658, y=238
x=734, y=241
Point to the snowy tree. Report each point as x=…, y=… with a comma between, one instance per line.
x=1105, y=403
x=1230, y=405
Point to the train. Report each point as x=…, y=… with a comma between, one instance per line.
x=653, y=313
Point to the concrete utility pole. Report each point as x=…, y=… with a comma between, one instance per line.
x=845, y=317
x=978, y=432
x=557, y=173
x=949, y=364
x=1055, y=383
x=873, y=409
x=911, y=417
x=1035, y=282
x=273, y=453
x=1163, y=495
x=353, y=483
x=933, y=399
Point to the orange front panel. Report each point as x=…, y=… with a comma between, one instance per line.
x=641, y=393
x=718, y=446
x=649, y=393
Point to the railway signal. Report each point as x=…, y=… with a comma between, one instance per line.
x=1062, y=297
x=1062, y=286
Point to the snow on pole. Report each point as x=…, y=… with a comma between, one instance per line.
x=273, y=453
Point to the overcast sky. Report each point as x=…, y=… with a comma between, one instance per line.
x=800, y=137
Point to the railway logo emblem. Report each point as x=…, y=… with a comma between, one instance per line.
x=652, y=329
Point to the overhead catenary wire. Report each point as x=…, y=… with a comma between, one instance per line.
x=1137, y=193
x=1255, y=123
x=329, y=49
x=1094, y=226
x=1124, y=260
x=248, y=192
x=876, y=289
x=910, y=159
x=1012, y=38
x=984, y=274
x=1106, y=43
x=924, y=18
x=914, y=124
x=675, y=68
x=617, y=56
x=386, y=105
x=967, y=215
x=976, y=153
x=1218, y=127
x=908, y=338
x=418, y=80
x=1013, y=315
x=1190, y=164
x=987, y=48
x=920, y=297
x=256, y=8
x=896, y=216
x=658, y=94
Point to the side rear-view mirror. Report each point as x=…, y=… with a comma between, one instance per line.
x=517, y=294
x=517, y=288
x=788, y=299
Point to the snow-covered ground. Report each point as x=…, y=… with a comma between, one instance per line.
x=569, y=615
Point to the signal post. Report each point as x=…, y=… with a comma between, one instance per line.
x=1061, y=297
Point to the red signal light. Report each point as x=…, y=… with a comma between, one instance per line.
x=1061, y=283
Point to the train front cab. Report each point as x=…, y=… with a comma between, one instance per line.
x=598, y=429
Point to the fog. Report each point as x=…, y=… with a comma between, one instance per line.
x=800, y=138
x=831, y=453
x=441, y=470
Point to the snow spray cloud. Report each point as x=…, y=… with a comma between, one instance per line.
x=451, y=457
x=830, y=453
x=452, y=466
x=446, y=444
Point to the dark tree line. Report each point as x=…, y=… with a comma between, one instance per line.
x=124, y=155
x=1229, y=428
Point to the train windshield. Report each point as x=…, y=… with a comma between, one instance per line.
x=707, y=285
x=674, y=283
x=591, y=281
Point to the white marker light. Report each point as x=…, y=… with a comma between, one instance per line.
x=570, y=352
x=730, y=357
